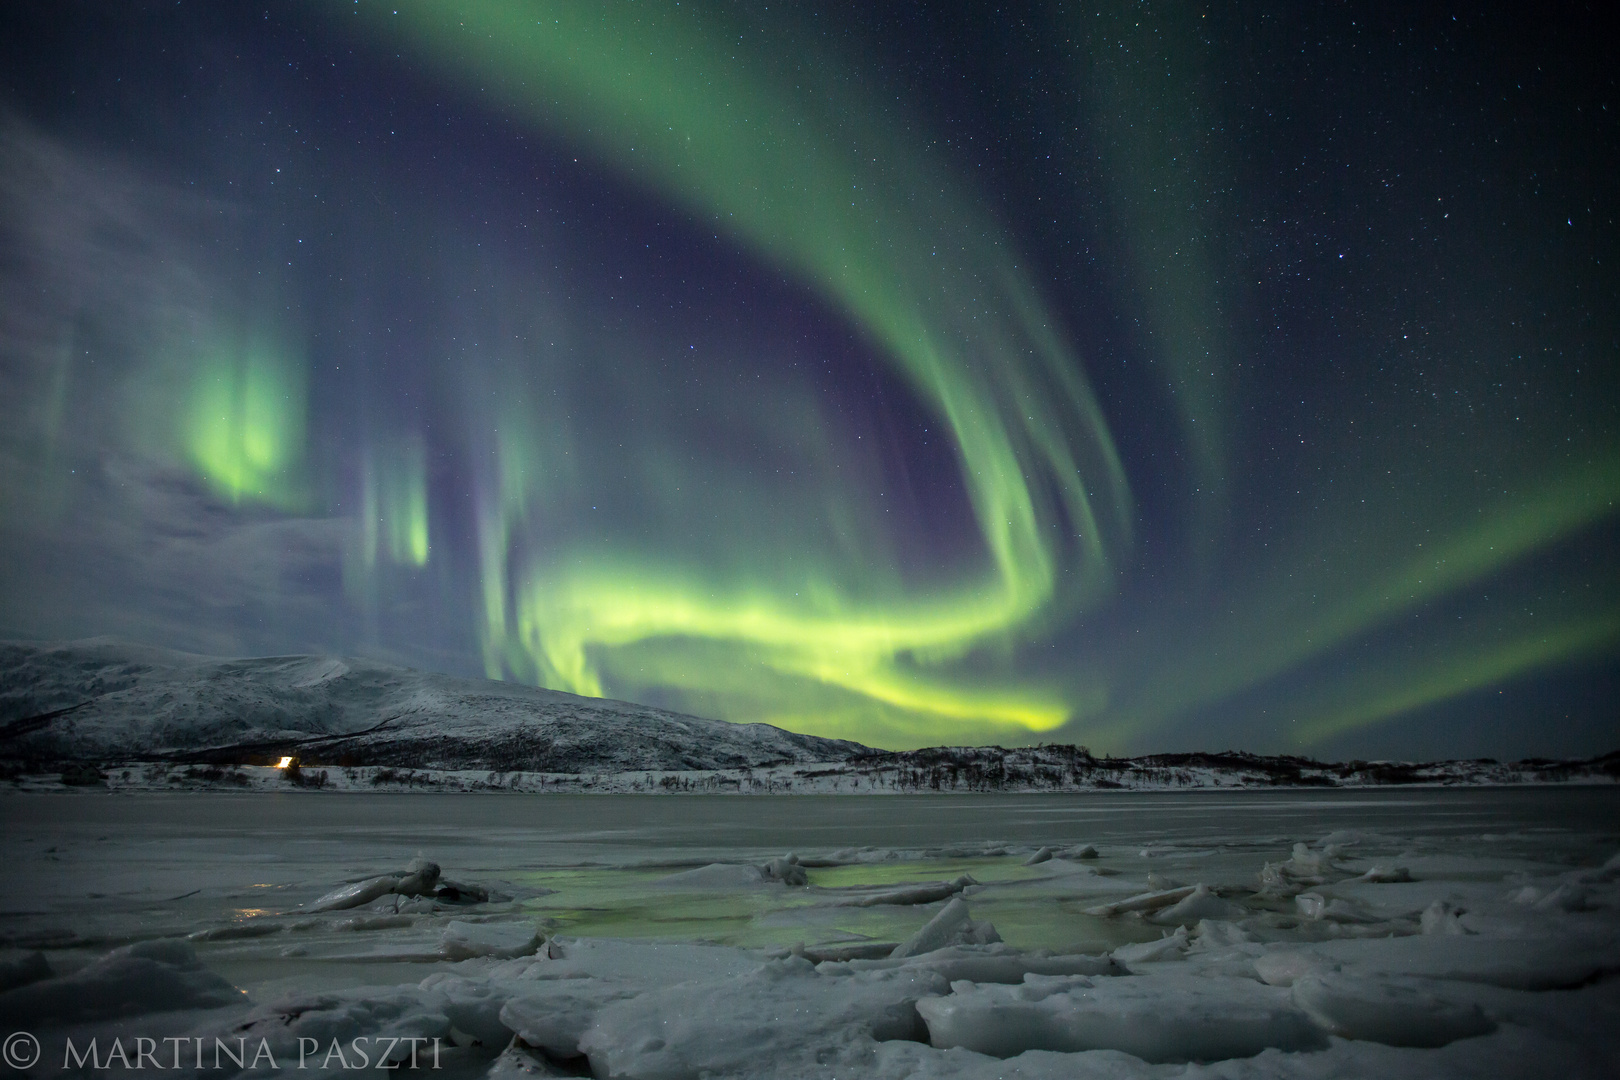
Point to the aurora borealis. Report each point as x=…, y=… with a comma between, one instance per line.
x=1147, y=376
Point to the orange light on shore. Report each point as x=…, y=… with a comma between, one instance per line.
x=284, y=762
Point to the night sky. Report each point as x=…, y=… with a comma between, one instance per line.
x=1150, y=376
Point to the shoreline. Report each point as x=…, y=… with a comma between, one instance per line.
x=145, y=777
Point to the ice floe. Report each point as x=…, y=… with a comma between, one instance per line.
x=1158, y=1017
x=952, y=926
x=421, y=878
x=1388, y=1009
x=148, y=976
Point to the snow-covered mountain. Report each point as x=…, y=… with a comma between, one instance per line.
x=101, y=699
x=102, y=702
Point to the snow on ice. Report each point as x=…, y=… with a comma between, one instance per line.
x=669, y=950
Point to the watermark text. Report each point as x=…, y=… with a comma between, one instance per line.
x=194, y=1053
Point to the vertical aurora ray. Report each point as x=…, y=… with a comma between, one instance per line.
x=244, y=430
x=403, y=501
x=849, y=206
x=394, y=505
x=1150, y=117
x=502, y=507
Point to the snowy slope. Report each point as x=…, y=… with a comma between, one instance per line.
x=114, y=700
x=106, y=702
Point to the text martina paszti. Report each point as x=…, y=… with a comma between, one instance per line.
x=23, y=1050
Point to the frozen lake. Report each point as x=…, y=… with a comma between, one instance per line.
x=612, y=884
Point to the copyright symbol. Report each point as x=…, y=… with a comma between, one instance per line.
x=21, y=1050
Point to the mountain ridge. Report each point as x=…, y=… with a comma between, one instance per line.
x=102, y=699
x=71, y=706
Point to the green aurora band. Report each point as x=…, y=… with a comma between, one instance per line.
x=394, y=506
x=892, y=242
x=245, y=429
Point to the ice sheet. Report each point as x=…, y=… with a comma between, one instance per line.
x=675, y=937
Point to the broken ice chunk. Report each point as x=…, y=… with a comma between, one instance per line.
x=717, y=877
x=149, y=976
x=1308, y=863
x=419, y=879
x=1160, y=1017
x=519, y=1061
x=1567, y=897
x=1039, y=857
x=353, y=895
x=1196, y=905
x=503, y=940
x=999, y=1020
x=1387, y=874
x=1215, y=933
x=1393, y=1011
x=1315, y=906
x=782, y=1019
x=256, y=928
x=786, y=870
x=473, y=1007
x=912, y=894
x=1286, y=967
x=1170, y=947
x=1441, y=918
x=838, y=953
x=398, y=1014
x=552, y=1016
x=1302, y=870
x=952, y=926
x=1550, y=963
x=996, y=963
x=1150, y=901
